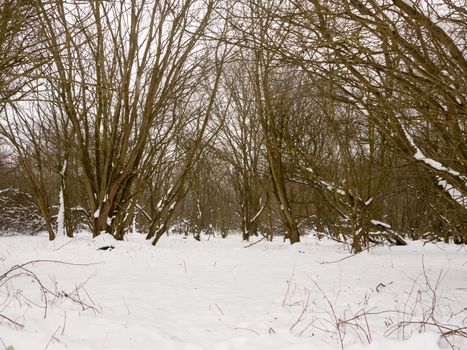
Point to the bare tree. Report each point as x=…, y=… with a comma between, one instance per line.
x=21, y=51
x=118, y=69
x=25, y=133
x=241, y=147
x=397, y=67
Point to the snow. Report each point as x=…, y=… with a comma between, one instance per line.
x=134, y=231
x=109, y=220
x=216, y=294
x=61, y=205
x=61, y=214
x=380, y=223
x=333, y=188
x=97, y=213
x=159, y=205
x=258, y=213
x=409, y=3
x=328, y=186
x=65, y=164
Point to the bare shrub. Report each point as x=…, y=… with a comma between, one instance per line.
x=48, y=295
x=18, y=213
x=424, y=310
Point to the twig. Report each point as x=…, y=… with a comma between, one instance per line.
x=324, y=234
x=16, y=267
x=337, y=320
x=288, y=287
x=52, y=338
x=246, y=329
x=42, y=288
x=336, y=261
x=448, y=329
x=48, y=295
x=239, y=328
x=220, y=310
x=249, y=245
x=64, y=324
x=63, y=245
x=304, y=309
x=382, y=285
x=3, y=343
x=11, y=321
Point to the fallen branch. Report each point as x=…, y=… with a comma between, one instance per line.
x=16, y=267
x=252, y=244
x=11, y=321
x=336, y=261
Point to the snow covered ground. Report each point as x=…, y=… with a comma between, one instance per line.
x=216, y=294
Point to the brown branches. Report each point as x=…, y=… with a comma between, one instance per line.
x=422, y=311
x=48, y=295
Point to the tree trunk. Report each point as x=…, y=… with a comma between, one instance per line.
x=280, y=191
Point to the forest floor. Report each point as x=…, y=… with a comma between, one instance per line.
x=216, y=294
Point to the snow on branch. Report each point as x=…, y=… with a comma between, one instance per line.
x=258, y=213
x=330, y=187
x=431, y=162
x=453, y=192
x=381, y=224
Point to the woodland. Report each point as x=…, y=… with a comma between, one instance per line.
x=269, y=118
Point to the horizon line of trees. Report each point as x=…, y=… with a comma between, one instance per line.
x=270, y=117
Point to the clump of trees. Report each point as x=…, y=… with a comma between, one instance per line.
x=277, y=117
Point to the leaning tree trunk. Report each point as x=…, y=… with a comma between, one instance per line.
x=277, y=173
